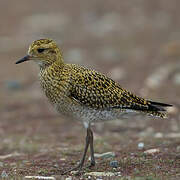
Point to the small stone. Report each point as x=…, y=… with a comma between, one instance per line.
x=40, y=177
x=74, y=172
x=56, y=165
x=69, y=178
x=141, y=145
x=4, y=174
x=118, y=174
x=151, y=151
x=158, y=135
x=114, y=164
x=104, y=155
x=100, y=174
x=62, y=159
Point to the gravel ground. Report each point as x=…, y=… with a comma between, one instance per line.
x=137, y=43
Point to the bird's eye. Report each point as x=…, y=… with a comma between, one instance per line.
x=40, y=50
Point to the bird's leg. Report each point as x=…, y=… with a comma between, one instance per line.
x=80, y=165
x=91, y=148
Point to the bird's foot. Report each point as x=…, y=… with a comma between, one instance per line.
x=92, y=164
x=77, y=168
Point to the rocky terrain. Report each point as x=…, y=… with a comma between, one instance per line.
x=137, y=43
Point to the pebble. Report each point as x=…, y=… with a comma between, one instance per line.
x=62, y=159
x=158, y=135
x=4, y=174
x=56, y=165
x=151, y=151
x=69, y=178
x=140, y=145
x=118, y=174
x=39, y=177
x=114, y=164
x=104, y=155
x=100, y=174
x=74, y=172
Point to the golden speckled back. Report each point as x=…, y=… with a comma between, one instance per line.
x=91, y=89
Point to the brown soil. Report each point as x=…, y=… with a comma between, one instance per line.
x=129, y=41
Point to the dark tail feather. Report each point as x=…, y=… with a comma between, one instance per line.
x=156, y=106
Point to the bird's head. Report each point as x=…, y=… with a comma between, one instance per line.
x=44, y=52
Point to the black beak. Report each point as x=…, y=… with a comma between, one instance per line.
x=25, y=58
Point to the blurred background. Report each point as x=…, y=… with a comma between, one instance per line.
x=137, y=43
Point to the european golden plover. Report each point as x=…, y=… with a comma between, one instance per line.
x=84, y=94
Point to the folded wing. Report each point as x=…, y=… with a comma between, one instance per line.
x=95, y=90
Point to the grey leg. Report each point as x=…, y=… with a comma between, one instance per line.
x=80, y=165
x=91, y=148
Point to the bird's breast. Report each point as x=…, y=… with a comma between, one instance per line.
x=55, y=88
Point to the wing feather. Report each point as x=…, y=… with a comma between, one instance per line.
x=96, y=90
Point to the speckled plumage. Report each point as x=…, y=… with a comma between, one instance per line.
x=77, y=91
x=82, y=93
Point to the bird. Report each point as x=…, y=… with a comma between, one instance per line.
x=84, y=94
